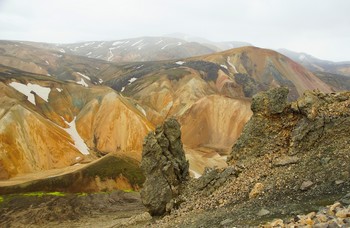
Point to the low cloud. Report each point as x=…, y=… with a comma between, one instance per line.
x=317, y=27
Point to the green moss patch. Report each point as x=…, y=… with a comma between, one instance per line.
x=176, y=74
x=40, y=194
x=108, y=167
x=113, y=167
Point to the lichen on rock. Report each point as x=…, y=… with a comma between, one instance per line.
x=165, y=167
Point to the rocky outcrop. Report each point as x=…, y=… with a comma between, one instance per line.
x=290, y=157
x=165, y=167
x=315, y=122
x=273, y=101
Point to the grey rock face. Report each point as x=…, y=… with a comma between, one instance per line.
x=308, y=140
x=276, y=126
x=273, y=101
x=165, y=167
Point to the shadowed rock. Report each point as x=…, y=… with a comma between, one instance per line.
x=165, y=167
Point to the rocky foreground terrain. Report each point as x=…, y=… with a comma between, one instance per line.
x=291, y=158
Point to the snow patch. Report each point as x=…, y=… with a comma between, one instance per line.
x=136, y=43
x=47, y=62
x=118, y=42
x=158, y=42
x=27, y=90
x=165, y=46
x=141, y=110
x=59, y=90
x=89, y=53
x=100, y=81
x=302, y=57
x=180, y=62
x=233, y=66
x=83, y=75
x=122, y=89
x=48, y=74
x=99, y=45
x=139, y=67
x=82, y=82
x=110, y=54
x=224, y=66
x=179, y=43
x=78, y=141
x=88, y=44
x=195, y=174
x=62, y=50
x=131, y=80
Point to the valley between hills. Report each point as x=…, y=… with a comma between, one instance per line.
x=265, y=134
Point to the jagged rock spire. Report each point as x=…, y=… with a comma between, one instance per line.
x=165, y=167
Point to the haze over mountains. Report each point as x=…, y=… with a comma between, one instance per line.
x=173, y=46
x=314, y=64
x=176, y=46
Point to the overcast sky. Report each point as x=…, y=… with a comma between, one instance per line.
x=318, y=27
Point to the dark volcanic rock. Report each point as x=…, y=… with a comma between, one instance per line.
x=165, y=167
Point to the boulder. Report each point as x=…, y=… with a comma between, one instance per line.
x=306, y=185
x=273, y=101
x=165, y=167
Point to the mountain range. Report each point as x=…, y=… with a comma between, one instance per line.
x=62, y=105
x=318, y=65
x=177, y=46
